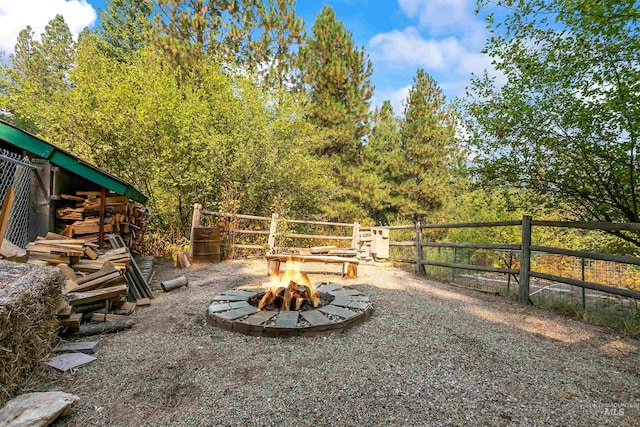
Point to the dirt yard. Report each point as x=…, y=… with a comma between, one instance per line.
x=431, y=354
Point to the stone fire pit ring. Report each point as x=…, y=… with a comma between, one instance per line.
x=231, y=311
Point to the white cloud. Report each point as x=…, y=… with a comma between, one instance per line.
x=443, y=16
x=15, y=15
x=396, y=96
x=409, y=49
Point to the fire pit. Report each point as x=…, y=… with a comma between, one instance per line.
x=290, y=305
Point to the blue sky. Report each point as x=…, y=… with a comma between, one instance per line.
x=445, y=37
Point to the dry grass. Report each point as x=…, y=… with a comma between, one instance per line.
x=28, y=298
x=430, y=355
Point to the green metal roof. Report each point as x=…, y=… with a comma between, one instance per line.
x=64, y=159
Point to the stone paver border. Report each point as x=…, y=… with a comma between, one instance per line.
x=231, y=311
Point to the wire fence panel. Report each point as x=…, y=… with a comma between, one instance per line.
x=16, y=172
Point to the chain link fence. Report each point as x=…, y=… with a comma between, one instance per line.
x=16, y=172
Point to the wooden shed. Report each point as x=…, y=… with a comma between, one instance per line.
x=48, y=179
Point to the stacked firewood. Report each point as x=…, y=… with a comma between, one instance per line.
x=80, y=217
x=98, y=284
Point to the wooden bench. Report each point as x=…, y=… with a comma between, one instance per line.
x=349, y=265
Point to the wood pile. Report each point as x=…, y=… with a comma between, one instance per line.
x=79, y=217
x=100, y=286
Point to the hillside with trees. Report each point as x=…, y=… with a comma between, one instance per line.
x=236, y=106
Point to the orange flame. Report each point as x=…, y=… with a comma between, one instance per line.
x=291, y=286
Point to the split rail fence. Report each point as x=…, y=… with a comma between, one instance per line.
x=275, y=230
x=524, y=251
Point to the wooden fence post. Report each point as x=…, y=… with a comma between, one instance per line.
x=418, y=248
x=273, y=229
x=195, y=223
x=355, y=241
x=525, y=259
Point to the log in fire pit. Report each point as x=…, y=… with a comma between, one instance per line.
x=289, y=305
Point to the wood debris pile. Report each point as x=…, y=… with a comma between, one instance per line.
x=100, y=286
x=79, y=217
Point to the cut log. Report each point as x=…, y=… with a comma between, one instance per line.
x=10, y=251
x=36, y=409
x=89, y=329
x=67, y=271
x=77, y=298
x=73, y=321
x=349, y=270
x=178, y=282
x=273, y=267
x=101, y=317
x=182, y=260
x=127, y=308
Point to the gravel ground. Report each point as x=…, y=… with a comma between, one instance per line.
x=431, y=354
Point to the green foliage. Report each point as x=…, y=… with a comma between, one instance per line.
x=124, y=27
x=422, y=174
x=337, y=74
x=565, y=125
x=183, y=136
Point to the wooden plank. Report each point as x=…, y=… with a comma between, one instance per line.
x=311, y=258
x=287, y=319
x=97, y=295
x=318, y=237
x=106, y=269
x=49, y=242
x=337, y=224
x=604, y=226
x=467, y=267
x=254, y=232
x=101, y=317
x=585, y=254
x=100, y=282
x=471, y=246
x=73, y=321
x=474, y=224
x=5, y=210
x=68, y=272
x=623, y=292
x=322, y=249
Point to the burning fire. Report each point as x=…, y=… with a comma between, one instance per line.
x=290, y=289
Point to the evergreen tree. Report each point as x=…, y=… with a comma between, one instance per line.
x=190, y=30
x=283, y=33
x=124, y=26
x=337, y=74
x=380, y=159
x=423, y=176
x=55, y=52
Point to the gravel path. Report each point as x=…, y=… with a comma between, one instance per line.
x=431, y=354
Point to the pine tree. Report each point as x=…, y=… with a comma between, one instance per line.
x=124, y=27
x=424, y=171
x=283, y=33
x=381, y=157
x=55, y=51
x=337, y=74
